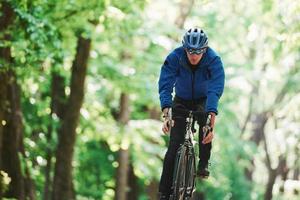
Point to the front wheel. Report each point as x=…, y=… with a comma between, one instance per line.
x=179, y=175
x=190, y=175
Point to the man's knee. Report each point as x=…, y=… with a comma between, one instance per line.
x=173, y=147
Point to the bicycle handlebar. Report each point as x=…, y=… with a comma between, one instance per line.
x=186, y=113
x=198, y=114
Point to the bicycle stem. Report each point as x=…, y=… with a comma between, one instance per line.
x=189, y=121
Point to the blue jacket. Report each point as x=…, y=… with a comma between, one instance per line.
x=206, y=81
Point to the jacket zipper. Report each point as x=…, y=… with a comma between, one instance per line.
x=193, y=84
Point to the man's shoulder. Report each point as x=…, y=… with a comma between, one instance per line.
x=211, y=53
x=179, y=50
x=212, y=57
x=176, y=53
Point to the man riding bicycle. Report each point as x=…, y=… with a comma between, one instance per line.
x=196, y=72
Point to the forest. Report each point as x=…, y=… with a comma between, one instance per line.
x=80, y=116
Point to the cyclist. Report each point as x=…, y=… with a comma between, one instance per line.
x=196, y=72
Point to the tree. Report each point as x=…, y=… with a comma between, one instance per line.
x=62, y=184
x=123, y=155
x=11, y=135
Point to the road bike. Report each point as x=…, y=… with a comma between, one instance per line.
x=184, y=177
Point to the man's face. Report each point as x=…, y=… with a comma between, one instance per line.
x=193, y=57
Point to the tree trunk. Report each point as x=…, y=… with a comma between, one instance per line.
x=3, y=106
x=154, y=113
x=124, y=114
x=296, y=173
x=270, y=184
x=62, y=185
x=57, y=107
x=284, y=175
x=152, y=190
x=122, y=175
x=13, y=147
x=48, y=168
x=11, y=126
x=58, y=96
x=272, y=172
x=133, y=193
x=123, y=158
x=297, y=163
x=21, y=185
x=259, y=123
x=11, y=141
x=6, y=19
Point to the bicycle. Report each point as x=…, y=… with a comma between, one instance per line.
x=184, y=176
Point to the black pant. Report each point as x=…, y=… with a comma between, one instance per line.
x=177, y=138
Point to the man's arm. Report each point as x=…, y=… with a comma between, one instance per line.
x=166, y=81
x=215, y=85
x=214, y=92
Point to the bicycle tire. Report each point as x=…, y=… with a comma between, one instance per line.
x=191, y=175
x=179, y=175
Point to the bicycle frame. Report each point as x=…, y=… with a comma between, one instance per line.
x=185, y=165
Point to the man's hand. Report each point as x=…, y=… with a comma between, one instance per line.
x=209, y=137
x=168, y=122
x=209, y=129
x=166, y=125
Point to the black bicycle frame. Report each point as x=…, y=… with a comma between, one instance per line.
x=185, y=163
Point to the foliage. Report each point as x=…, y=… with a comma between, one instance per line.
x=258, y=41
x=4, y=181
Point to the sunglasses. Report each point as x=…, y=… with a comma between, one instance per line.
x=196, y=51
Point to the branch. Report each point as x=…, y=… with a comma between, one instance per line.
x=268, y=160
x=282, y=159
x=248, y=116
x=184, y=12
x=185, y=7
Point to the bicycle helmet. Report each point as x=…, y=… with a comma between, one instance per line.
x=195, y=38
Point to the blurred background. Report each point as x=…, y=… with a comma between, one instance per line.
x=79, y=107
